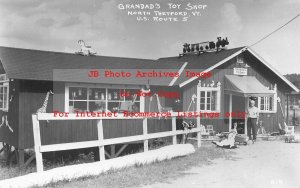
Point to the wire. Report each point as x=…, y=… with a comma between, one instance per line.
x=275, y=30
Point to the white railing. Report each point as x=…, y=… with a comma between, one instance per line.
x=100, y=142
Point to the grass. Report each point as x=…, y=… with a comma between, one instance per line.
x=135, y=176
x=164, y=171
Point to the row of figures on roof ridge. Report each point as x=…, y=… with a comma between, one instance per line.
x=205, y=46
x=212, y=84
x=85, y=50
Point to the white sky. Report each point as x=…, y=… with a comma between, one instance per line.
x=58, y=25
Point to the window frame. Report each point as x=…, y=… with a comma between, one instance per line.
x=267, y=104
x=206, y=90
x=4, y=83
x=104, y=86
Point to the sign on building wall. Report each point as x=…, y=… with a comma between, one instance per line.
x=240, y=71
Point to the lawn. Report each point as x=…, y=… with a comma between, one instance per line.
x=139, y=175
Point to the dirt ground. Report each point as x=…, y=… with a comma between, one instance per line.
x=266, y=164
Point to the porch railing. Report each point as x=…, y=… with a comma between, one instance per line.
x=100, y=142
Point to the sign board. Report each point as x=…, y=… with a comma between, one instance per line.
x=240, y=71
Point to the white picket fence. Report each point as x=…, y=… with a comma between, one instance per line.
x=100, y=142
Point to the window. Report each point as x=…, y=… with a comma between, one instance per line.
x=267, y=104
x=4, y=91
x=209, y=97
x=208, y=100
x=103, y=99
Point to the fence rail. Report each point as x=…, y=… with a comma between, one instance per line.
x=100, y=142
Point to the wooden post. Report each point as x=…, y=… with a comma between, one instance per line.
x=21, y=157
x=199, y=136
x=184, y=136
x=174, y=130
x=246, y=110
x=37, y=143
x=145, y=132
x=230, y=111
x=112, y=151
x=100, y=139
x=287, y=108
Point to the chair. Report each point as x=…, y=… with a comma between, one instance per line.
x=204, y=131
x=287, y=129
x=210, y=130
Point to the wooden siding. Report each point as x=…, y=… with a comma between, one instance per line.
x=257, y=69
x=6, y=135
x=31, y=97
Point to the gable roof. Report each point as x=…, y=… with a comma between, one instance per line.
x=208, y=61
x=204, y=62
x=30, y=64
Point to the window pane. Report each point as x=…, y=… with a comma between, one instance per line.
x=202, y=100
x=1, y=101
x=202, y=94
x=208, y=106
x=78, y=106
x=97, y=94
x=113, y=106
x=133, y=95
x=5, y=101
x=77, y=93
x=202, y=107
x=262, y=103
x=271, y=104
x=114, y=94
x=97, y=106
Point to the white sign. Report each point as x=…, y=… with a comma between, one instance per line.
x=240, y=71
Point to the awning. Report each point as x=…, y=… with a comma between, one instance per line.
x=245, y=86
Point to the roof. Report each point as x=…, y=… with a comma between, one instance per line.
x=202, y=62
x=245, y=86
x=210, y=60
x=30, y=64
x=273, y=69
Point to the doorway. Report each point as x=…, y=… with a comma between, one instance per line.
x=235, y=111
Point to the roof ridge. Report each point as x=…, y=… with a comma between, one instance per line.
x=69, y=53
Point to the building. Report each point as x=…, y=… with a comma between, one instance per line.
x=27, y=77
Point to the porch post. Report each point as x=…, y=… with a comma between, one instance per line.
x=230, y=111
x=287, y=109
x=246, y=109
x=198, y=102
x=198, y=118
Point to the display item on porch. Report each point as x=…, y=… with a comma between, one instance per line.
x=43, y=109
x=160, y=107
x=229, y=141
x=5, y=122
x=261, y=128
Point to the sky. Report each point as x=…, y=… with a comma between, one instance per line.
x=57, y=25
